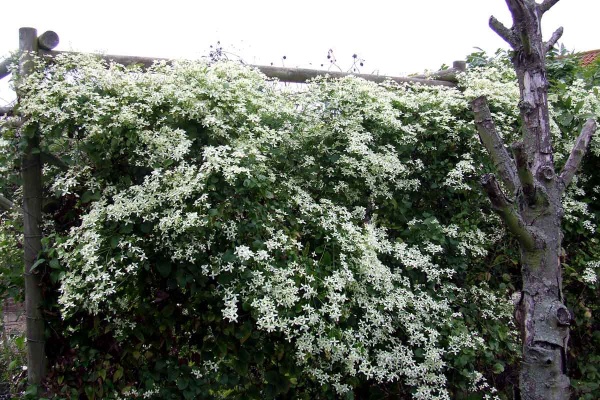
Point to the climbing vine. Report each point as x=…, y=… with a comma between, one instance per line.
x=211, y=236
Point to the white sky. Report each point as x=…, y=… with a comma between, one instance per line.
x=394, y=37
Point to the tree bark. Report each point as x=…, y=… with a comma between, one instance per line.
x=31, y=172
x=533, y=213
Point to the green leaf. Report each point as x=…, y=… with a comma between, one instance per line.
x=182, y=383
x=54, y=264
x=20, y=342
x=89, y=391
x=498, y=368
x=118, y=374
x=31, y=390
x=36, y=264
x=114, y=241
x=89, y=196
x=146, y=227
x=127, y=228
x=163, y=268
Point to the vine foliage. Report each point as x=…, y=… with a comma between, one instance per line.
x=208, y=235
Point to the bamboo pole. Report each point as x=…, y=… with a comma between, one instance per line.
x=293, y=75
x=31, y=166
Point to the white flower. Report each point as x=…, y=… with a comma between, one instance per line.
x=244, y=253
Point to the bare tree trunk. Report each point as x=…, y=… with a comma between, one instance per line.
x=533, y=211
x=31, y=166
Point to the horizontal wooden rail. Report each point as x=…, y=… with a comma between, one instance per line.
x=4, y=67
x=7, y=110
x=293, y=75
x=449, y=74
x=301, y=75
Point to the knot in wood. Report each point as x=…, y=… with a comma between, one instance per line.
x=526, y=106
x=546, y=172
x=563, y=316
x=551, y=321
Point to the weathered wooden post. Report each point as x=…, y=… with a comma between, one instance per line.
x=31, y=172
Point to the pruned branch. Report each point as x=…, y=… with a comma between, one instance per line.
x=577, y=153
x=505, y=209
x=547, y=4
x=503, y=32
x=7, y=204
x=494, y=144
x=555, y=37
x=524, y=173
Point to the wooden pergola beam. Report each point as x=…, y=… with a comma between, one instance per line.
x=293, y=75
x=4, y=72
x=8, y=110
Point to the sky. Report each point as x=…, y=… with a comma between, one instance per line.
x=393, y=37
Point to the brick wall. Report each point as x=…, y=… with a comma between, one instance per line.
x=13, y=317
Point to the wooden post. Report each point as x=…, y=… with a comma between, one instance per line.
x=31, y=170
x=48, y=40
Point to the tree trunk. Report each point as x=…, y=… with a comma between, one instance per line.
x=533, y=211
x=31, y=167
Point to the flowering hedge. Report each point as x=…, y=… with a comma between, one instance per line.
x=213, y=236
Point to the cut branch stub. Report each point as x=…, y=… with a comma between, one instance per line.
x=555, y=36
x=502, y=31
x=547, y=4
x=494, y=192
x=494, y=144
x=563, y=316
x=577, y=153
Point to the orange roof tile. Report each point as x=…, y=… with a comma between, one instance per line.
x=588, y=57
